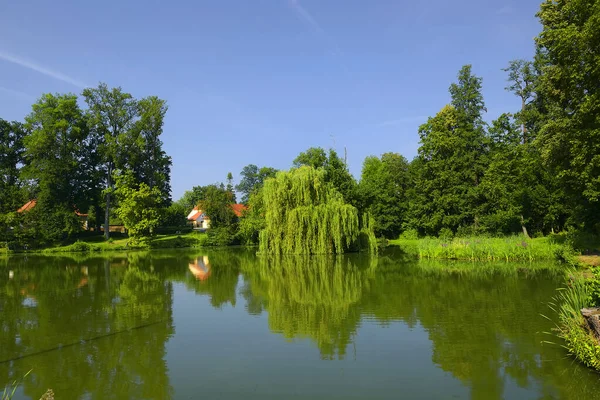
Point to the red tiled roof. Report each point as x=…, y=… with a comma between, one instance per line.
x=32, y=203
x=238, y=209
x=27, y=206
x=195, y=215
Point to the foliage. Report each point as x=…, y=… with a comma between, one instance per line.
x=336, y=170
x=568, y=55
x=253, y=220
x=304, y=214
x=382, y=192
x=12, y=147
x=221, y=236
x=480, y=248
x=173, y=216
x=252, y=180
x=191, y=198
x=55, y=150
x=572, y=327
x=138, y=206
x=216, y=204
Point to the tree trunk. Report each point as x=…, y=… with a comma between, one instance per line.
x=592, y=316
x=523, y=227
x=107, y=209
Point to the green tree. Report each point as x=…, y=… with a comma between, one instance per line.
x=336, y=170
x=383, y=192
x=138, y=205
x=453, y=160
x=568, y=54
x=54, y=152
x=173, y=215
x=11, y=158
x=522, y=80
x=191, y=198
x=216, y=203
x=304, y=214
x=112, y=115
x=253, y=179
x=230, y=188
x=153, y=165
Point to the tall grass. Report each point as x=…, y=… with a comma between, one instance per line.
x=571, y=326
x=513, y=248
x=9, y=391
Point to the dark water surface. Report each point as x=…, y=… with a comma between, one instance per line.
x=229, y=325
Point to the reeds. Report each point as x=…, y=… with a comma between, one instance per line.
x=513, y=248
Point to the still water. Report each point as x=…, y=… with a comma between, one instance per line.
x=230, y=325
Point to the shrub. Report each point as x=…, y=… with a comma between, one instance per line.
x=446, y=234
x=409, y=234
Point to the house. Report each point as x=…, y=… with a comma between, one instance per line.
x=200, y=220
x=30, y=205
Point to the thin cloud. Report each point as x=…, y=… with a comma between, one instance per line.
x=41, y=69
x=306, y=17
x=401, y=121
x=17, y=93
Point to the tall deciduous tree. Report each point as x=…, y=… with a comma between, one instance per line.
x=11, y=159
x=336, y=170
x=569, y=55
x=253, y=179
x=54, y=154
x=453, y=160
x=113, y=118
x=383, y=192
x=153, y=165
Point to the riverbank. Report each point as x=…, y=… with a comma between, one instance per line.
x=582, y=291
x=120, y=243
x=512, y=248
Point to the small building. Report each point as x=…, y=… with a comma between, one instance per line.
x=200, y=220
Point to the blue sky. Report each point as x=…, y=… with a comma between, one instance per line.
x=259, y=81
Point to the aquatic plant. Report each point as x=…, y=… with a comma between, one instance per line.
x=571, y=326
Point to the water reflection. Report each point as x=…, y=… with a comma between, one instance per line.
x=310, y=297
x=82, y=335
x=98, y=327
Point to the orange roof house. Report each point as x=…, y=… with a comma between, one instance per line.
x=200, y=220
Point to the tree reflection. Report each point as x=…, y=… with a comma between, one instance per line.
x=94, y=329
x=313, y=297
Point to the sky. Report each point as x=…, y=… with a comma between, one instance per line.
x=259, y=81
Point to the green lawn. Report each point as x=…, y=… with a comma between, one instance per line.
x=119, y=243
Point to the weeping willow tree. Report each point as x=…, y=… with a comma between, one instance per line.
x=306, y=215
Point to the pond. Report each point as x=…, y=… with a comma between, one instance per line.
x=230, y=325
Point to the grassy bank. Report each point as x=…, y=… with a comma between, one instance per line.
x=582, y=291
x=513, y=248
x=98, y=244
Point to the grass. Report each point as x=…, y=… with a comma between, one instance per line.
x=98, y=244
x=9, y=391
x=571, y=326
x=512, y=248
